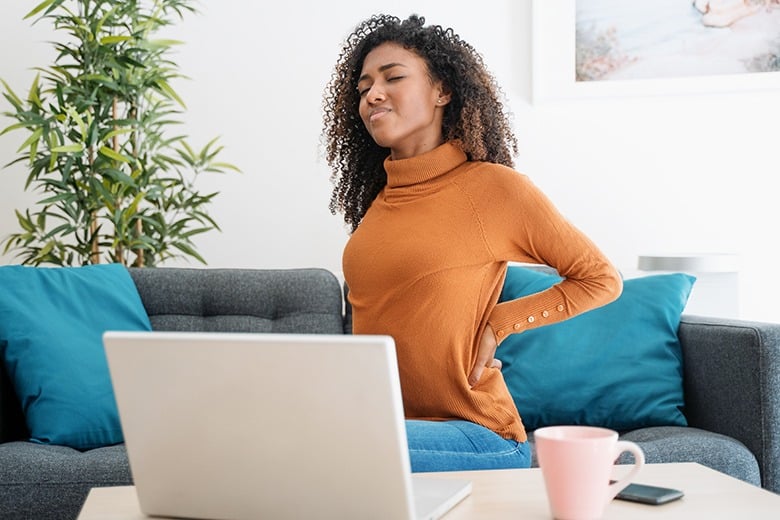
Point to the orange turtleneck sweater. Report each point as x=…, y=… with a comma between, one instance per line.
x=427, y=264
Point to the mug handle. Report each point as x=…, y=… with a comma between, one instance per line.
x=639, y=461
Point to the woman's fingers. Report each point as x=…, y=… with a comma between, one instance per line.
x=485, y=356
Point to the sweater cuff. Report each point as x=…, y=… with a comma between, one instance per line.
x=505, y=323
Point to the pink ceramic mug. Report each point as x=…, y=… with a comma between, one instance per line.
x=577, y=464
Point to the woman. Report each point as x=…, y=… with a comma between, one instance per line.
x=421, y=152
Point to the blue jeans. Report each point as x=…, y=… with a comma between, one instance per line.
x=461, y=445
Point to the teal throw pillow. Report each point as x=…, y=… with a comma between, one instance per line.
x=51, y=326
x=618, y=366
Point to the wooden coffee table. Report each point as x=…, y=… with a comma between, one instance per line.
x=519, y=493
x=709, y=495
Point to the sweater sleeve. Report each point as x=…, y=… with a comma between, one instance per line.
x=521, y=224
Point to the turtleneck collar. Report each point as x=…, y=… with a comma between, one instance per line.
x=421, y=168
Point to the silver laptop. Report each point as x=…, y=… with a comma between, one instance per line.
x=249, y=426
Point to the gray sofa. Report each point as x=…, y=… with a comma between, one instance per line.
x=732, y=384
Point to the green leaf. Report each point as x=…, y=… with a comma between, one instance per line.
x=94, y=77
x=110, y=40
x=111, y=154
x=57, y=198
x=127, y=60
x=165, y=42
x=13, y=127
x=16, y=161
x=33, y=151
x=221, y=166
x=75, y=116
x=25, y=221
x=189, y=251
x=12, y=97
x=46, y=249
x=38, y=8
x=68, y=148
x=62, y=229
x=196, y=231
x=166, y=88
x=32, y=139
x=41, y=220
x=120, y=177
x=32, y=95
x=118, y=131
x=102, y=22
x=97, y=187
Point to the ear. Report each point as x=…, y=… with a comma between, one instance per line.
x=444, y=95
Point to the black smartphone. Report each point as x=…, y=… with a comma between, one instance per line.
x=648, y=494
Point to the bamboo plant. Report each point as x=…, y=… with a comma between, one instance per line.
x=117, y=182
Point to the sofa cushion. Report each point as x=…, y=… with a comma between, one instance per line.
x=666, y=444
x=51, y=326
x=670, y=444
x=51, y=482
x=618, y=366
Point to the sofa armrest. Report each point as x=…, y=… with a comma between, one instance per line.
x=732, y=384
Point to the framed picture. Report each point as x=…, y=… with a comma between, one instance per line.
x=615, y=48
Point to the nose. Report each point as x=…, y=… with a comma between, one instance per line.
x=375, y=94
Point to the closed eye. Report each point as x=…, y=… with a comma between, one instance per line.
x=362, y=92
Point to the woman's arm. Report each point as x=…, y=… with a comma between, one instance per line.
x=521, y=224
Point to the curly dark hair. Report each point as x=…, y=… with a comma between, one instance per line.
x=474, y=118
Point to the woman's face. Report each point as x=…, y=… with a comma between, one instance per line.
x=400, y=105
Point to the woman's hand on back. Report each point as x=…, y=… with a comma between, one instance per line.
x=486, y=355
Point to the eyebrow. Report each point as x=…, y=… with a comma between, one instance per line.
x=382, y=69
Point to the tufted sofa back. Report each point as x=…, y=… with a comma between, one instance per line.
x=241, y=300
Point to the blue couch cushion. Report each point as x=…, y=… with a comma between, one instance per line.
x=51, y=326
x=618, y=366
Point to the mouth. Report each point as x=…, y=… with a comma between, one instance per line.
x=377, y=113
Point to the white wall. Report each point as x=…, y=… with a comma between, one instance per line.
x=673, y=174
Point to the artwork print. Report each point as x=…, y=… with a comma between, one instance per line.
x=641, y=39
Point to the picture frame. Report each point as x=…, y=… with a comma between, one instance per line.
x=553, y=66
